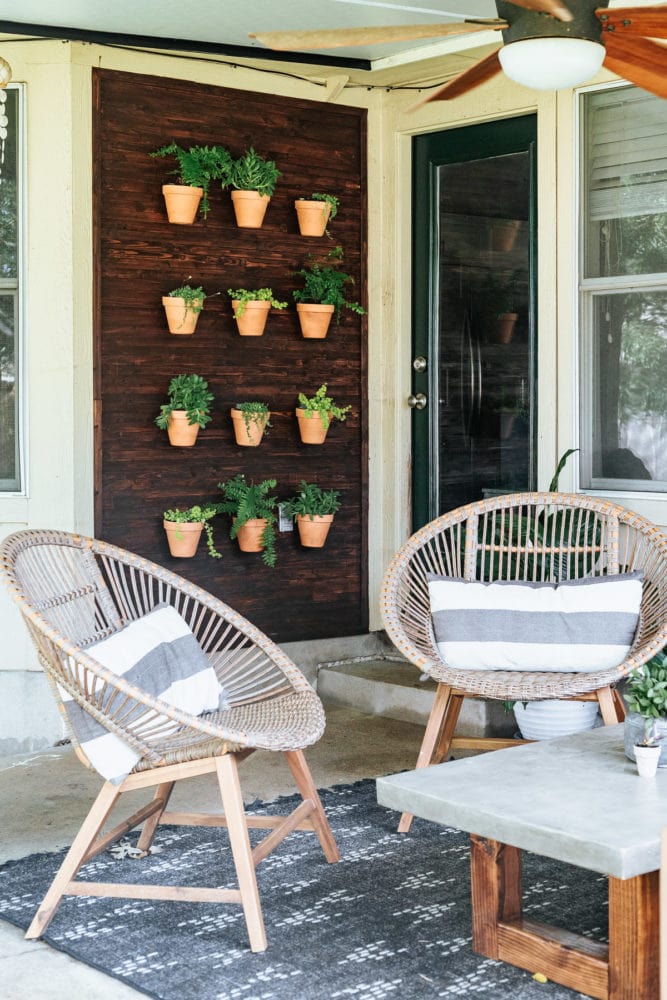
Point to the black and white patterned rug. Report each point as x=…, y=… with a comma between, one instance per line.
x=391, y=920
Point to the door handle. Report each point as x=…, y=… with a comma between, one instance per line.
x=417, y=402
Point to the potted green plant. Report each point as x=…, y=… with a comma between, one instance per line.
x=254, y=180
x=252, y=507
x=197, y=167
x=250, y=421
x=184, y=528
x=496, y=301
x=182, y=307
x=188, y=409
x=646, y=697
x=315, y=415
x=315, y=213
x=251, y=309
x=313, y=510
x=323, y=293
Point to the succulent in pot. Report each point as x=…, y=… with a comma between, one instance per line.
x=182, y=307
x=184, y=527
x=323, y=293
x=254, y=180
x=251, y=309
x=315, y=213
x=196, y=168
x=252, y=507
x=188, y=409
x=250, y=421
x=316, y=413
x=313, y=510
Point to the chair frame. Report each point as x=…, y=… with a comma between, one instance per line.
x=272, y=707
x=483, y=541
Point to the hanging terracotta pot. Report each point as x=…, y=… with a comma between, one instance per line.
x=183, y=538
x=181, y=433
x=315, y=319
x=313, y=531
x=504, y=233
x=180, y=317
x=250, y=535
x=249, y=428
x=182, y=202
x=253, y=319
x=311, y=428
x=312, y=216
x=249, y=208
x=504, y=329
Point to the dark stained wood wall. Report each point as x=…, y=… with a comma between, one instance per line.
x=139, y=256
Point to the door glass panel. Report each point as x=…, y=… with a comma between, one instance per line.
x=485, y=420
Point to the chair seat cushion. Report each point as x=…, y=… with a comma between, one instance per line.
x=577, y=625
x=159, y=654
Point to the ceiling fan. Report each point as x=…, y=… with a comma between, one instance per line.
x=547, y=44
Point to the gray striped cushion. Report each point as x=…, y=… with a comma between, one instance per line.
x=159, y=654
x=578, y=625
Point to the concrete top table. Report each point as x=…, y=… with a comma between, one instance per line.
x=577, y=799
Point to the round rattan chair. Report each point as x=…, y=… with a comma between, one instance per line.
x=73, y=591
x=529, y=536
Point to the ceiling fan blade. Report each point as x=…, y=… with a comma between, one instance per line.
x=638, y=60
x=338, y=37
x=482, y=71
x=650, y=22
x=553, y=7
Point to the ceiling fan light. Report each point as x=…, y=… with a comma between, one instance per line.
x=551, y=63
x=5, y=72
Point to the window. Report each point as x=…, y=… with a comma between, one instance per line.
x=623, y=362
x=10, y=274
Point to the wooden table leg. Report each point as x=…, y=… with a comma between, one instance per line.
x=634, y=917
x=495, y=876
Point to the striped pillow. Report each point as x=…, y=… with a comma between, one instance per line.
x=578, y=625
x=159, y=654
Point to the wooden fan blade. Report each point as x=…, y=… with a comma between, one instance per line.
x=638, y=60
x=482, y=71
x=553, y=7
x=337, y=37
x=650, y=22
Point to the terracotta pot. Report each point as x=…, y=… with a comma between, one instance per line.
x=311, y=428
x=183, y=538
x=504, y=233
x=253, y=320
x=181, y=433
x=249, y=208
x=248, y=430
x=179, y=318
x=504, y=327
x=313, y=532
x=182, y=202
x=312, y=216
x=315, y=319
x=250, y=535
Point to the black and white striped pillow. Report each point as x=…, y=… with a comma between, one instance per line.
x=577, y=625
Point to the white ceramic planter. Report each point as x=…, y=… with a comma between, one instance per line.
x=647, y=760
x=544, y=720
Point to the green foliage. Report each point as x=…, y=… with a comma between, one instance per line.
x=198, y=166
x=251, y=172
x=647, y=692
x=195, y=515
x=253, y=295
x=324, y=405
x=248, y=502
x=253, y=410
x=193, y=298
x=189, y=393
x=324, y=283
x=312, y=501
x=331, y=200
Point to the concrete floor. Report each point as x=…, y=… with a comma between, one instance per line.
x=44, y=797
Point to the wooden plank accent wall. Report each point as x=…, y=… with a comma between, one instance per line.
x=139, y=256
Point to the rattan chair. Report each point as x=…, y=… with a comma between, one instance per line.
x=73, y=591
x=528, y=536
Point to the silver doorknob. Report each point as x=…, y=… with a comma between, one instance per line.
x=417, y=402
x=420, y=364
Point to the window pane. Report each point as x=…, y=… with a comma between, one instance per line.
x=629, y=390
x=8, y=184
x=8, y=393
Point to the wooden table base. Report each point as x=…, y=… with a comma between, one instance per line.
x=626, y=969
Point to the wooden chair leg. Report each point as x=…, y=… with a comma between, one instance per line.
x=304, y=782
x=609, y=702
x=434, y=727
x=232, y=803
x=449, y=725
x=90, y=828
x=163, y=794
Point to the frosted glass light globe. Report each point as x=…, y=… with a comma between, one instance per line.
x=551, y=63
